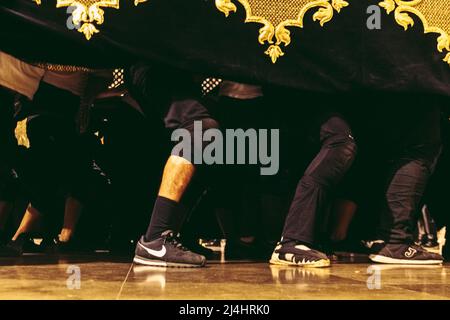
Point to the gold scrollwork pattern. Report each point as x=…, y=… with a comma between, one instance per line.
x=277, y=16
x=88, y=13
x=434, y=15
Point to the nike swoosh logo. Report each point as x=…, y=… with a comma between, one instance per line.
x=157, y=253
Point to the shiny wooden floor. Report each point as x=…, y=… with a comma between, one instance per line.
x=101, y=277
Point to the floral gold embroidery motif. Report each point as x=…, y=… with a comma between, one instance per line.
x=89, y=13
x=276, y=16
x=434, y=15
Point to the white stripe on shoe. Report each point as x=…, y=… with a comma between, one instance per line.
x=388, y=260
x=160, y=263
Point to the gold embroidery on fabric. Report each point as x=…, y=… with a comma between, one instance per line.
x=434, y=14
x=89, y=13
x=277, y=15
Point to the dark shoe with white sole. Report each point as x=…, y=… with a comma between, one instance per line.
x=16, y=248
x=294, y=254
x=406, y=254
x=166, y=251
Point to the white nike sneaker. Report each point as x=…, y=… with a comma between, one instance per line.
x=166, y=251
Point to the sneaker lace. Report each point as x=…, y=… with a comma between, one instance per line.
x=175, y=241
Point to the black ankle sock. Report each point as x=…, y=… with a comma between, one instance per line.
x=167, y=215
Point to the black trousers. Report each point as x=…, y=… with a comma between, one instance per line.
x=399, y=143
x=313, y=195
x=411, y=167
x=8, y=144
x=57, y=163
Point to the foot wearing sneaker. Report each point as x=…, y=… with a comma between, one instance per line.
x=294, y=254
x=199, y=249
x=53, y=246
x=405, y=254
x=166, y=251
x=5, y=248
x=373, y=246
x=15, y=248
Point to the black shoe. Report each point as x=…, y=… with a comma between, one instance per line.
x=29, y=246
x=55, y=246
x=294, y=254
x=166, y=251
x=405, y=254
x=195, y=247
x=9, y=250
x=15, y=248
x=373, y=246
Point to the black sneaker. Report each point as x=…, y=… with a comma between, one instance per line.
x=53, y=246
x=8, y=250
x=373, y=246
x=15, y=248
x=294, y=254
x=199, y=249
x=405, y=254
x=166, y=251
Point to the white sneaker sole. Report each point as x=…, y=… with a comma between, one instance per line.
x=316, y=264
x=387, y=260
x=159, y=263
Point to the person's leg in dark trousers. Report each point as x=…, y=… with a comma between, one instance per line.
x=7, y=151
x=405, y=191
x=411, y=170
x=55, y=142
x=239, y=211
x=312, y=197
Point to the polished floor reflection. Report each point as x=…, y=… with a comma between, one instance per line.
x=101, y=277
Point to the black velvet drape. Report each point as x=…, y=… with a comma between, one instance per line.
x=343, y=56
